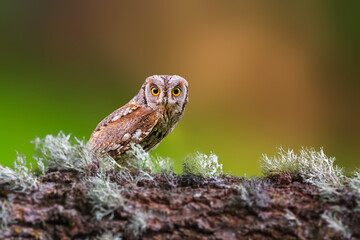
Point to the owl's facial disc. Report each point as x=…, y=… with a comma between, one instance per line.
x=177, y=88
x=166, y=92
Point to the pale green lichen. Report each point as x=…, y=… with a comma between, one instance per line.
x=142, y=160
x=59, y=152
x=313, y=166
x=109, y=236
x=104, y=195
x=161, y=165
x=286, y=161
x=335, y=223
x=354, y=185
x=137, y=224
x=252, y=193
x=200, y=164
x=5, y=210
x=19, y=179
x=319, y=170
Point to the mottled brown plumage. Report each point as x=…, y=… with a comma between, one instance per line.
x=149, y=117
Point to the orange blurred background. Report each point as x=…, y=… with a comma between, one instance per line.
x=261, y=74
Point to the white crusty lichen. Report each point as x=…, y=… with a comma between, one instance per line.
x=5, y=210
x=335, y=223
x=19, y=179
x=200, y=164
x=354, y=185
x=137, y=224
x=104, y=195
x=252, y=193
x=109, y=236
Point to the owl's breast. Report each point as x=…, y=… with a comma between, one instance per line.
x=157, y=134
x=164, y=126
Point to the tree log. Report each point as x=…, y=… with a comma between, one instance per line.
x=171, y=207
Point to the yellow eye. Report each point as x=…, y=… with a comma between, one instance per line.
x=176, y=91
x=155, y=91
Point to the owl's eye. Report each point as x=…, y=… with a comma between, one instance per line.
x=176, y=91
x=155, y=91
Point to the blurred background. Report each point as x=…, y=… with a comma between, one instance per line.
x=261, y=73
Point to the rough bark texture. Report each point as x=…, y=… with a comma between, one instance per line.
x=176, y=207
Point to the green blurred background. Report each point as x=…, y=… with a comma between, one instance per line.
x=261, y=73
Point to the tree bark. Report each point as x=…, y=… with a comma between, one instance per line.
x=172, y=207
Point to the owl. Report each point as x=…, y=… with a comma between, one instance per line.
x=149, y=117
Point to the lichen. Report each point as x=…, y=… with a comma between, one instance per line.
x=5, y=210
x=137, y=224
x=104, y=195
x=57, y=151
x=19, y=179
x=313, y=166
x=252, y=193
x=200, y=164
x=335, y=223
x=144, y=161
x=354, y=185
x=109, y=236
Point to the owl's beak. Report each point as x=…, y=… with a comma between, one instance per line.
x=165, y=102
x=166, y=105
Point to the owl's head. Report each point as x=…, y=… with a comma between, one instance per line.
x=169, y=92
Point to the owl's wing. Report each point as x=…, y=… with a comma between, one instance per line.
x=128, y=124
